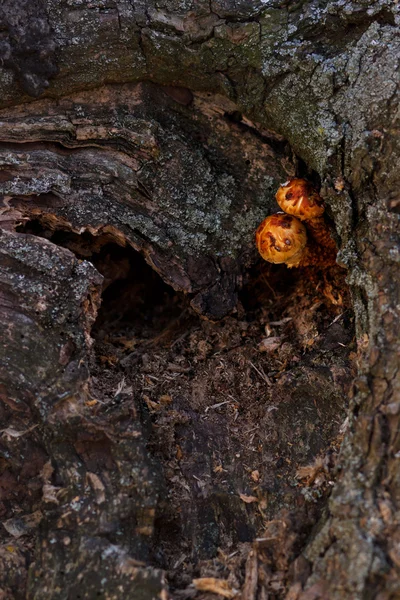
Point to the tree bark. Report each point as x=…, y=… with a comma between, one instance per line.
x=166, y=127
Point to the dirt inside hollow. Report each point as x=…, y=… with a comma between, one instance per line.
x=244, y=416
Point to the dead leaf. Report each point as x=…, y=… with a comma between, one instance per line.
x=310, y=472
x=97, y=486
x=50, y=493
x=18, y=526
x=151, y=405
x=108, y=360
x=216, y=586
x=255, y=475
x=165, y=399
x=270, y=344
x=248, y=499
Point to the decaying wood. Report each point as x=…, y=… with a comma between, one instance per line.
x=107, y=167
x=166, y=127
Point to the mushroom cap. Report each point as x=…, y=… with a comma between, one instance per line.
x=281, y=238
x=297, y=197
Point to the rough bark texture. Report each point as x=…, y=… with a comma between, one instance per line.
x=166, y=127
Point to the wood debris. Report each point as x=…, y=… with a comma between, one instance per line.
x=215, y=586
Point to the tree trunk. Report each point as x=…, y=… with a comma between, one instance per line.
x=162, y=130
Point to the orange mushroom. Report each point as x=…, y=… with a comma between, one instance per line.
x=297, y=197
x=281, y=238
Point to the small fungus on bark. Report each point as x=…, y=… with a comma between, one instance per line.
x=311, y=242
x=281, y=238
x=297, y=197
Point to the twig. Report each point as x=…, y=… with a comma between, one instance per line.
x=261, y=374
x=251, y=578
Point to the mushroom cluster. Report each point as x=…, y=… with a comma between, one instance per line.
x=299, y=236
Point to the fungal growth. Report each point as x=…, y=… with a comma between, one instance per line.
x=310, y=241
x=297, y=197
x=281, y=238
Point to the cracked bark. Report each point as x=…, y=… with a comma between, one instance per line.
x=134, y=121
